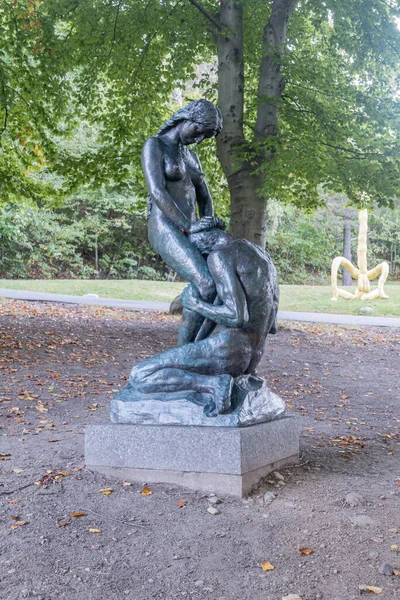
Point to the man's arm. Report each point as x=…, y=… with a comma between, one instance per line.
x=233, y=310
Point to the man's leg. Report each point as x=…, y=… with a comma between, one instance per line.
x=206, y=367
x=212, y=391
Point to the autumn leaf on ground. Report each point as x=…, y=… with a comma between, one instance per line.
x=396, y=572
x=395, y=548
x=62, y=523
x=93, y=530
x=181, y=503
x=106, y=491
x=291, y=597
x=14, y=501
x=18, y=523
x=305, y=551
x=126, y=483
x=146, y=491
x=370, y=588
x=79, y=513
x=266, y=566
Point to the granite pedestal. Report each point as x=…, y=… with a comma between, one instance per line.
x=225, y=460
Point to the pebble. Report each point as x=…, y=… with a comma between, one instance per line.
x=354, y=499
x=269, y=497
x=213, y=511
x=386, y=569
x=213, y=499
x=362, y=521
x=199, y=583
x=278, y=475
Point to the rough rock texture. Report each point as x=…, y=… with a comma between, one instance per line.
x=253, y=401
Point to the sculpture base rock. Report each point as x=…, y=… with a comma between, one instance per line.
x=252, y=402
x=224, y=460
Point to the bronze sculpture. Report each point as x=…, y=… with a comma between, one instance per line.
x=177, y=188
x=232, y=287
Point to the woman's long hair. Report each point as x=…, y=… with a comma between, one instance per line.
x=200, y=111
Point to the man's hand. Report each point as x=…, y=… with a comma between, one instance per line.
x=189, y=297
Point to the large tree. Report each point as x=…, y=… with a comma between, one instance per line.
x=308, y=90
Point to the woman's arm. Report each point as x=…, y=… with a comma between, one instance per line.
x=155, y=181
x=203, y=196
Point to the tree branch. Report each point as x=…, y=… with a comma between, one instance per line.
x=206, y=14
x=356, y=153
x=116, y=20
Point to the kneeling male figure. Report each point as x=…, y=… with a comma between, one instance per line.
x=244, y=313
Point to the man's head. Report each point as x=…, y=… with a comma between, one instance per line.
x=210, y=239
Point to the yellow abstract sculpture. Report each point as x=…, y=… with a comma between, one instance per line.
x=363, y=291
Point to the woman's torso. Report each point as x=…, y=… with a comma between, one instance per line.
x=180, y=171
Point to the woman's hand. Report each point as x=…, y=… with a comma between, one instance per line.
x=206, y=223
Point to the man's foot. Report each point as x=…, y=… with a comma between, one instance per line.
x=221, y=402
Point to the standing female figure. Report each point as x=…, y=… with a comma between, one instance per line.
x=179, y=200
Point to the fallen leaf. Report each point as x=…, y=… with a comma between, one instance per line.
x=291, y=597
x=62, y=523
x=395, y=548
x=92, y=530
x=146, y=491
x=126, y=483
x=21, y=523
x=370, y=588
x=304, y=550
x=396, y=572
x=80, y=513
x=181, y=503
x=106, y=491
x=266, y=566
x=14, y=501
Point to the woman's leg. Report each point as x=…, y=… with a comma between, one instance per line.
x=184, y=258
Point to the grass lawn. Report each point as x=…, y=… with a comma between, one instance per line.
x=303, y=298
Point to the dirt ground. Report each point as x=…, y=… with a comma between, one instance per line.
x=60, y=365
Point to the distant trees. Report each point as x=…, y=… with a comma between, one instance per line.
x=104, y=235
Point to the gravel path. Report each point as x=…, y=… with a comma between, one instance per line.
x=59, y=366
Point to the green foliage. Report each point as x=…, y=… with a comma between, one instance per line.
x=94, y=235
x=303, y=246
x=83, y=84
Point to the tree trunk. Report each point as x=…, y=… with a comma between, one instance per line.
x=346, y=278
x=96, y=255
x=248, y=204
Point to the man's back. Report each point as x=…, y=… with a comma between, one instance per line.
x=257, y=276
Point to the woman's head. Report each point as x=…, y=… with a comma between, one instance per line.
x=202, y=119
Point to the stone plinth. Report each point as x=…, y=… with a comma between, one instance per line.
x=225, y=460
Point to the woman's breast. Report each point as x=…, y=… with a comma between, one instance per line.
x=175, y=170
